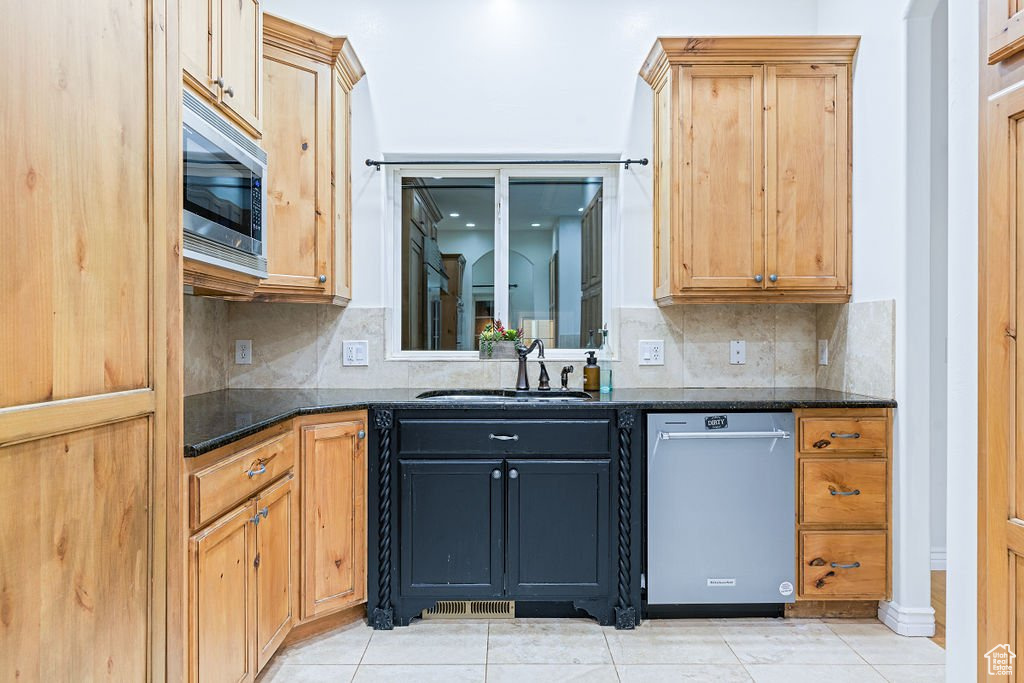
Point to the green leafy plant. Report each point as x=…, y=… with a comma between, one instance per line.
x=495, y=332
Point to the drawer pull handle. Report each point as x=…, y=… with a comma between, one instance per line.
x=259, y=467
x=503, y=437
x=854, y=435
x=852, y=565
x=855, y=492
x=822, y=443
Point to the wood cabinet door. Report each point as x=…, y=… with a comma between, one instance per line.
x=807, y=176
x=296, y=134
x=276, y=563
x=1005, y=29
x=333, y=516
x=341, y=186
x=559, y=528
x=722, y=200
x=199, y=27
x=241, y=60
x=452, y=526
x=222, y=619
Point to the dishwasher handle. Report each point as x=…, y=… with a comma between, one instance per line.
x=774, y=434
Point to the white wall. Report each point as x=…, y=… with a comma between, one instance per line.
x=515, y=77
x=962, y=441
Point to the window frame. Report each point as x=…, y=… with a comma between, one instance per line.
x=611, y=278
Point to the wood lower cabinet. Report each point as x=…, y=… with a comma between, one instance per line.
x=277, y=567
x=223, y=599
x=844, y=504
x=751, y=168
x=333, y=515
x=278, y=539
x=307, y=78
x=244, y=586
x=221, y=55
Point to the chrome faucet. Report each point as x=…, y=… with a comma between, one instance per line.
x=522, y=381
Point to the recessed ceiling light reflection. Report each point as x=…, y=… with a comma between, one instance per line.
x=470, y=225
x=454, y=215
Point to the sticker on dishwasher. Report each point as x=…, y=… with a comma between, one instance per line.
x=721, y=582
x=785, y=588
x=716, y=422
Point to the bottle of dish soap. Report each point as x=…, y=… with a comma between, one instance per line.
x=605, y=364
x=591, y=374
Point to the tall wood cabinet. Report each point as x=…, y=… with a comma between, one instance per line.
x=1000, y=319
x=221, y=49
x=307, y=79
x=90, y=340
x=751, y=168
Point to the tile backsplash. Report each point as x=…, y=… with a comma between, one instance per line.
x=300, y=345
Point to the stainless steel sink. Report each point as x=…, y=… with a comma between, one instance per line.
x=503, y=396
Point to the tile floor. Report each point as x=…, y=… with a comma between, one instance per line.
x=539, y=650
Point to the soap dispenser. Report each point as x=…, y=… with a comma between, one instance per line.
x=591, y=373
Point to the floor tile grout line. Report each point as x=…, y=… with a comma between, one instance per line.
x=487, y=651
x=855, y=650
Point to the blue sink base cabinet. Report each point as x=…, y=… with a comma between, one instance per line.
x=537, y=505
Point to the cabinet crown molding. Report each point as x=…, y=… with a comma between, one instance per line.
x=668, y=51
x=334, y=50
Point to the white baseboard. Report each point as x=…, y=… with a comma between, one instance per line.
x=938, y=559
x=907, y=621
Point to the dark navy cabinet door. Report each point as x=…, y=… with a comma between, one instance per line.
x=452, y=528
x=559, y=527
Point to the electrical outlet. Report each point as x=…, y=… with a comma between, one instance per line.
x=737, y=352
x=652, y=352
x=243, y=352
x=823, y=352
x=355, y=353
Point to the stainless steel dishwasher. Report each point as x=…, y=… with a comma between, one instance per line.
x=720, y=509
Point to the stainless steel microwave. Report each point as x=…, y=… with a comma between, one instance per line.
x=225, y=175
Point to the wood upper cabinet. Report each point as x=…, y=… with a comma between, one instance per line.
x=751, y=168
x=722, y=167
x=307, y=77
x=221, y=55
x=1005, y=29
x=333, y=514
x=807, y=179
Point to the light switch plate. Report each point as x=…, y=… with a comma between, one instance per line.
x=243, y=352
x=651, y=352
x=355, y=353
x=737, y=352
x=823, y=352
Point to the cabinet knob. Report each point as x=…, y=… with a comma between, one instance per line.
x=496, y=474
x=322, y=278
x=255, y=519
x=513, y=474
x=773, y=277
x=361, y=434
x=758, y=277
x=264, y=512
x=229, y=91
x=219, y=82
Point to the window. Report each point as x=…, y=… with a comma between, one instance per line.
x=524, y=245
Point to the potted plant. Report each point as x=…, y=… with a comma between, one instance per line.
x=498, y=342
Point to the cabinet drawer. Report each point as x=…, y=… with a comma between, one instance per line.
x=237, y=477
x=519, y=437
x=849, y=565
x=843, y=491
x=844, y=435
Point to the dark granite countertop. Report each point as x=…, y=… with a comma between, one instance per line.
x=218, y=418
